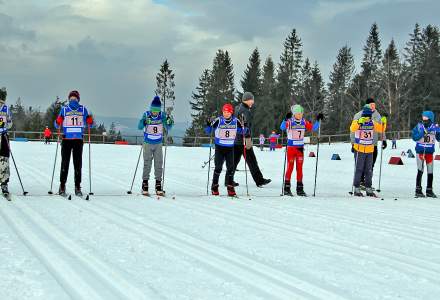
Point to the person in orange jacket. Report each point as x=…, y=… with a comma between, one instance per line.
x=364, y=129
x=47, y=135
x=72, y=118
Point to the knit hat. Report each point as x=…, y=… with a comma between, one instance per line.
x=369, y=101
x=228, y=108
x=247, y=96
x=297, y=109
x=366, y=111
x=74, y=94
x=429, y=114
x=155, y=104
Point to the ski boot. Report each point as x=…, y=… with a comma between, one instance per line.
x=370, y=192
x=145, y=188
x=300, y=189
x=357, y=192
x=5, y=190
x=231, y=191
x=234, y=184
x=62, y=190
x=214, y=189
x=286, y=189
x=159, y=190
x=264, y=182
x=78, y=191
x=430, y=193
x=419, y=193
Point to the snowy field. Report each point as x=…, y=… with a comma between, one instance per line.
x=118, y=246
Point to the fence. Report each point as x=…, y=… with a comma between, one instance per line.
x=197, y=141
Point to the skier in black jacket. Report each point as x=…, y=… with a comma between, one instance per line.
x=244, y=113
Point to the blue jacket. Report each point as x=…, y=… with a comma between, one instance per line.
x=418, y=133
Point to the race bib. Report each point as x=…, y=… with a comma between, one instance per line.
x=296, y=134
x=74, y=121
x=366, y=137
x=227, y=134
x=154, y=129
x=428, y=139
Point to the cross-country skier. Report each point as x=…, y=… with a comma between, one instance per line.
x=273, y=141
x=225, y=128
x=381, y=135
x=364, y=128
x=153, y=123
x=5, y=125
x=73, y=118
x=262, y=139
x=244, y=113
x=295, y=125
x=425, y=134
x=47, y=135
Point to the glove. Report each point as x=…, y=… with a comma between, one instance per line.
x=169, y=121
x=89, y=121
x=319, y=117
x=352, y=148
x=59, y=120
x=384, y=120
x=384, y=144
x=248, y=143
x=288, y=116
x=363, y=120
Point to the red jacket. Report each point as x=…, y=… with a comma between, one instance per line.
x=47, y=133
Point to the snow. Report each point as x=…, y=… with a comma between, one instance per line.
x=118, y=246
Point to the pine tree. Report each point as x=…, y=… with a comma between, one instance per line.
x=19, y=116
x=339, y=106
x=52, y=112
x=251, y=81
x=3, y=93
x=165, y=86
x=288, y=76
x=265, y=115
x=312, y=89
x=392, y=86
x=371, y=64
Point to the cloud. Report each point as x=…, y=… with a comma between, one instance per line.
x=9, y=30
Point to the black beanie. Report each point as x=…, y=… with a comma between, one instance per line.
x=369, y=101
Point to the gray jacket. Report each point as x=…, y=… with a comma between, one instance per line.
x=376, y=118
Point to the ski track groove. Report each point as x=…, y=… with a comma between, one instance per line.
x=333, y=216
x=267, y=280
x=400, y=261
x=92, y=278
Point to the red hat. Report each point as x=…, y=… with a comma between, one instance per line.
x=228, y=108
x=74, y=94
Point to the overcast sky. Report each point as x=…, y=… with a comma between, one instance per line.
x=111, y=50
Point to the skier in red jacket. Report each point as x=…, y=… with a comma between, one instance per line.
x=47, y=135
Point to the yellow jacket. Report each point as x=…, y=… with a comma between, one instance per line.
x=378, y=127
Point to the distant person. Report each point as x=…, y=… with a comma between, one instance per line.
x=47, y=135
x=394, y=143
x=273, y=138
x=262, y=140
x=73, y=118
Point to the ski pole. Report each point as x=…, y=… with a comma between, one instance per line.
x=55, y=162
x=381, y=156
x=90, y=169
x=206, y=162
x=245, y=158
x=284, y=165
x=356, y=153
x=15, y=165
x=209, y=161
x=317, y=159
x=135, y=171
